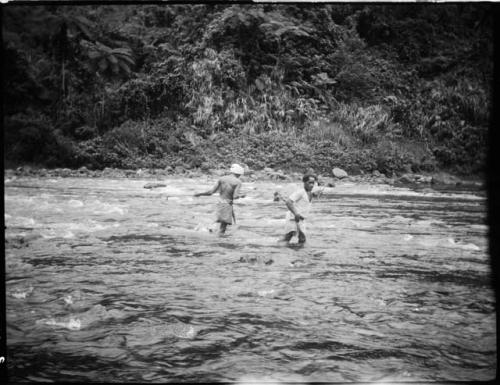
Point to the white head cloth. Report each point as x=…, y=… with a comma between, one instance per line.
x=237, y=169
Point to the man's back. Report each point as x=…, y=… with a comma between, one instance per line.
x=227, y=187
x=301, y=202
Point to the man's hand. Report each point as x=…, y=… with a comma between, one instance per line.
x=298, y=218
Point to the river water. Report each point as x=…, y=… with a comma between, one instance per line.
x=107, y=281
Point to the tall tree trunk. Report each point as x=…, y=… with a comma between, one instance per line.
x=63, y=85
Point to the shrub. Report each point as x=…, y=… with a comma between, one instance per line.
x=27, y=136
x=92, y=154
x=324, y=129
x=363, y=124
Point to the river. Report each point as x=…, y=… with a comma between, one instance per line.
x=107, y=281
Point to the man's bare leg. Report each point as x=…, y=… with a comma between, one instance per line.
x=223, y=227
x=288, y=236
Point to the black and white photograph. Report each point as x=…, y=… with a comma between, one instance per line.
x=249, y=193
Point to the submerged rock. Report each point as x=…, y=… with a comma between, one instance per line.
x=150, y=334
x=152, y=185
x=256, y=259
x=20, y=241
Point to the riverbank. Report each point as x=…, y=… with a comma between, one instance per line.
x=436, y=180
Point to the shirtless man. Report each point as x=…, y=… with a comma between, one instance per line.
x=298, y=204
x=229, y=190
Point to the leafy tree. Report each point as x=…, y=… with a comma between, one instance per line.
x=356, y=76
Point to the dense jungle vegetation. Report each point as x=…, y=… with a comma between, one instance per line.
x=363, y=87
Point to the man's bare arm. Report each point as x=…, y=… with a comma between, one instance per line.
x=209, y=192
x=237, y=193
x=290, y=206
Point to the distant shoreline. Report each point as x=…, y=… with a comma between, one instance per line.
x=435, y=179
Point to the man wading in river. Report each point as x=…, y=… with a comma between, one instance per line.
x=229, y=190
x=298, y=204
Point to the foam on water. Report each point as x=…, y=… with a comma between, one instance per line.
x=89, y=226
x=71, y=324
x=479, y=227
x=448, y=242
x=91, y=317
x=254, y=199
x=265, y=293
x=17, y=199
x=169, y=190
x=75, y=203
x=68, y=300
x=57, y=233
x=181, y=199
x=464, y=246
x=271, y=379
x=97, y=206
x=21, y=293
x=383, y=189
x=105, y=208
x=20, y=221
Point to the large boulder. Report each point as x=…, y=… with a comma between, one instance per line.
x=179, y=169
x=326, y=182
x=444, y=179
x=83, y=170
x=279, y=175
x=107, y=171
x=272, y=174
x=218, y=172
x=310, y=171
x=414, y=178
x=406, y=178
x=423, y=179
x=339, y=173
x=65, y=172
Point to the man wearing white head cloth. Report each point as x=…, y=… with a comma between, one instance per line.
x=229, y=189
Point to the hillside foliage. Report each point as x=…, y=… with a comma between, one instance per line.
x=358, y=86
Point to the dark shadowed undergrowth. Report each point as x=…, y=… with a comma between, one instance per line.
x=358, y=86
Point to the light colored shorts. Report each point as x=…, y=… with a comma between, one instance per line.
x=224, y=212
x=291, y=225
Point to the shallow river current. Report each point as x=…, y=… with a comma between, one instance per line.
x=107, y=281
